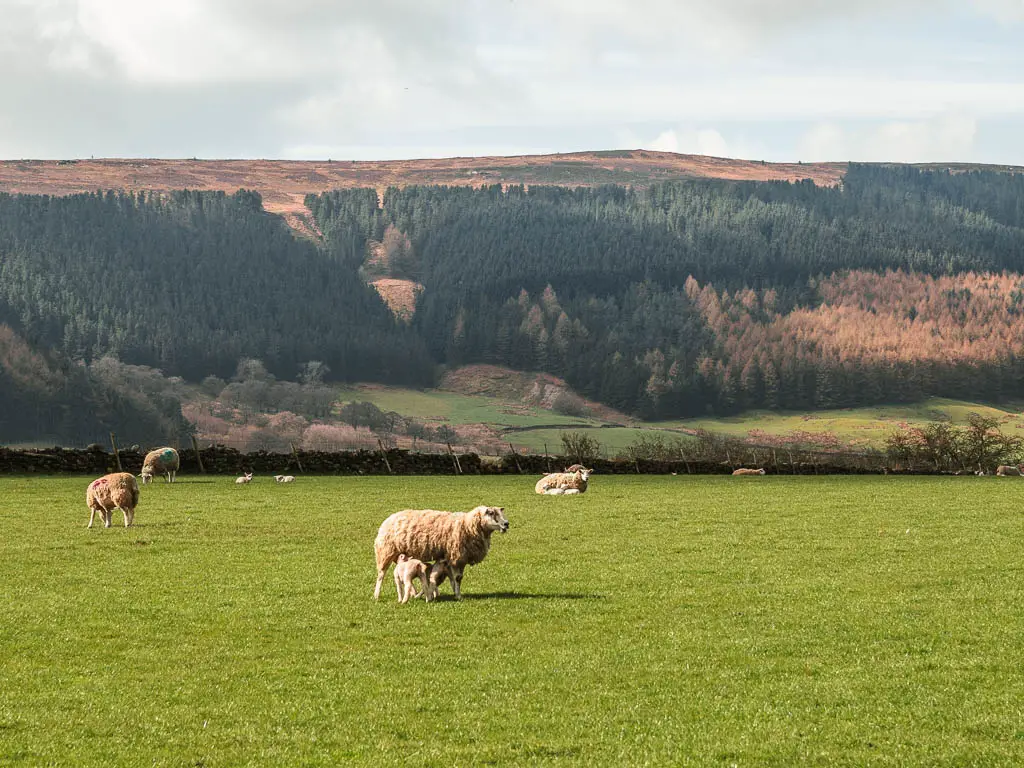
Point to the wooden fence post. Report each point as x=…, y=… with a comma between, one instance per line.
x=455, y=459
x=515, y=457
x=384, y=455
x=199, y=458
x=117, y=456
x=298, y=463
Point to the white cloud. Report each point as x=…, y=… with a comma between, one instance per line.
x=1007, y=11
x=266, y=77
x=706, y=141
x=949, y=138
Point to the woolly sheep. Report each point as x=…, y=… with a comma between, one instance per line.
x=1008, y=471
x=567, y=483
x=284, y=478
x=161, y=461
x=742, y=471
x=463, y=538
x=246, y=478
x=114, y=491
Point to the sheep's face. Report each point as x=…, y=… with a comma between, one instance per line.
x=585, y=473
x=493, y=518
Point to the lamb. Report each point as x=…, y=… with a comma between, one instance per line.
x=567, y=483
x=284, y=478
x=1007, y=471
x=407, y=570
x=244, y=479
x=114, y=491
x=161, y=461
x=743, y=471
x=463, y=538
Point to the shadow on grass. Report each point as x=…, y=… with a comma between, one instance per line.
x=523, y=596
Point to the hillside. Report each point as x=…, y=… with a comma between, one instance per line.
x=284, y=183
x=661, y=300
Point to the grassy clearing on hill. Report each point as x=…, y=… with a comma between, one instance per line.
x=661, y=621
x=453, y=408
x=854, y=427
x=868, y=427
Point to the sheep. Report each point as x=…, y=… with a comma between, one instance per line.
x=407, y=570
x=161, y=461
x=743, y=471
x=463, y=538
x=284, y=478
x=568, y=483
x=114, y=491
x=244, y=479
x=1007, y=471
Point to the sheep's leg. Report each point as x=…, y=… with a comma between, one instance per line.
x=92, y=515
x=398, y=588
x=456, y=577
x=381, y=571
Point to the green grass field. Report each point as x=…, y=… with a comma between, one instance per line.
x=856, y=428
x=653, y=621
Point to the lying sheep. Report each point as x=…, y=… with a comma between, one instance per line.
x=567, y=483
x=463, y=538
x=742, y=471
x=1007, y=471
x=407, y=570
x=284, y=478
x=161, y=461
x=244, y=479
x=115, y=491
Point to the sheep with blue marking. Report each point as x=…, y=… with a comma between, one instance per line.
x=161, y=461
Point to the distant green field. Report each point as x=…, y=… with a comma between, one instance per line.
x=855, y=427
x=652, y=621
x=453, y=408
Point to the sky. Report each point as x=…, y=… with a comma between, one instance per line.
x=776, y=80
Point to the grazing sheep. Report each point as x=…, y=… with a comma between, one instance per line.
x=246, y=478
x=407, y=570
x=161, y=461
x=1007, y=471
x=284, y=478
x=742, y=471
x=568, y=483
x=115, y=491
x=463, y=538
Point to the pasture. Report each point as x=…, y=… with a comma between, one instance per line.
x=652, y=621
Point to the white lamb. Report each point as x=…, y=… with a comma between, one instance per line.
x=284, y=478
x=161, y=461
x=463, y=538
x=564, y=483
x=244, y=479
x=407, y=570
